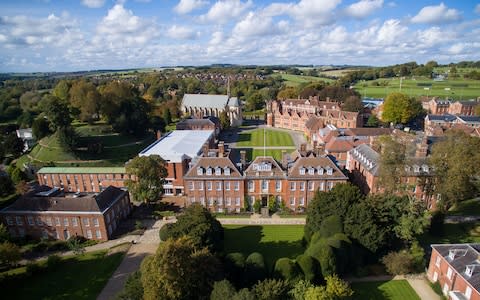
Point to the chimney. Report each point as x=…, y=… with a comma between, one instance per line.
x=303, y=147
x=284, y=159
x=328, y=99
x=159, y=134
x=422, y=148
x=243, y=158
x=221, y=149
x=205, y=149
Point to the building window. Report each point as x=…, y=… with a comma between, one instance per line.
x=229, y=201
x=237, y=201
x=329, y=171
x=218, y=171
x=9, y=220
x=30, y=220
x=220, y=201
x=320, y=171
x=302, y=186
x=98, y=234
x=191, y=185
x=89, y=234
x=311, y=185
x=209, y=185
x=251, y=186
x=278, y=185
x=264, y=185
x=65, y=221
x=202, y=200
x=200, y=186
x=322, y=186
x=449, y=273
x=95, y=222
x=293, y=186
x=227, y=185
x=468, y=292
x=57, y=221
x=219, y=186
x=74, y=222
x=311, y=171
x=199, y=171
x=237, y=185
x=210, y=201
x=226, y=170
x=209, y=171
x=292, y=201
x=437, y=261
x=301, y=201
x=39, y=221
x=49, y=221
x=302, y=171
x=86, y=222
x=330, y=185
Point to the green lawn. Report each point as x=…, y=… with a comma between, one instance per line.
x=454, y=233
x=255, y=138
x=421, y=86
x=295, y=80
x=466, y=208
x=384, y=290
x=273, y=241
x=80, y=277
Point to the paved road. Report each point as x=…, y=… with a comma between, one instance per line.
x=145, y=245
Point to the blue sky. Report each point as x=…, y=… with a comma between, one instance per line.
x=66, y=35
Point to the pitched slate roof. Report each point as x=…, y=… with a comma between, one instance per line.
x=264, y=166
x=213, y=162
x=208, y=101
x=469, y=119
x=82, y=170
x=442, y=118
x=367, y=157
x=317, y=163
x=89, y=203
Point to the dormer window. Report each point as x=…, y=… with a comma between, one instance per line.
x=302, y=171
x=451, y=254
x=218, y=171
x=416, y=168
x=425, y=168
x=209, y=171
x=469, y=270
x=311, y=171
x=226, y=170
x=329, y=171
x=320, y=171
x=407, y=168
x=199, y=171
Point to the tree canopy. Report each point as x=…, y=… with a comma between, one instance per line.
x=149, y=173
x=398, y=108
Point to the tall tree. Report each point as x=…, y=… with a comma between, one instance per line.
x=392, y=164
x=353, y=103
x=456, y=160
x=13, y=145
x=399, y=108
x=224, y=120
x=85, y=98
x=149, y=173
x=58, y=113
x=179, y=270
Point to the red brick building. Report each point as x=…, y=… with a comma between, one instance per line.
x=443, y=107
x=82, y=179
x=456, y=267
x=50, y=213
x=295, y=114
x=222, y=186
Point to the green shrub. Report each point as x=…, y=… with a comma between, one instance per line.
x=255, y=269
x=133, y=289
x=222, y=290
x=271, y=289
x=234, y=267
x=58, y=246
x=53, y=261
x=165, y=232
x=398, y=263
x=309, y=267
x=33, y=268
x=323, y=253
x=330, y=226
x=286, y=269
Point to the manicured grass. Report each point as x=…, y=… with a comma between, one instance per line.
x=456, y=88
x=80, y=277
x=276, y=154
x=466, y=208
x=273, y=138
x=454, y=233
x=273, y=241
x=384, y=290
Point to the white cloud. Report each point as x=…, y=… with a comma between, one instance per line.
x=256, y=25
x=437, y=14
x=182, y=32
x=186, y=6
x=226, y=10
x=363, y=8
x=315, y=11
x=121, y=27
x=391, y=32
x=456, y=48
x=93, y=3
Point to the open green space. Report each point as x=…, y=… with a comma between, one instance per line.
x=272, y=241
x=458, y=89
x=79, y=277
x=453, y=233
x=273, y=138
x=466, y=208
x=295, y=80
x=384, y=290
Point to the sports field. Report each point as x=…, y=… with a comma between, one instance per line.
x=273, y=138
x=384, y=290
x=458, y=89
x=295, y=80
x=273, y=241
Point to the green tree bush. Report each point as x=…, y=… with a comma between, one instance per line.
x=309, y=268
x=255, y=269
x=286, y=269
x=271, y=289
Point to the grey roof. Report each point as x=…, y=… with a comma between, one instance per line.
x=208, y=101
x=468, y=254
x=444, y=118
x=470, y=119
x=89, y=203
x=367, y=157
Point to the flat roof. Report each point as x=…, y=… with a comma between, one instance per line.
x=82, y=170
x=179, y=144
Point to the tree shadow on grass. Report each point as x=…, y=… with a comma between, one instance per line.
x=369, y=291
